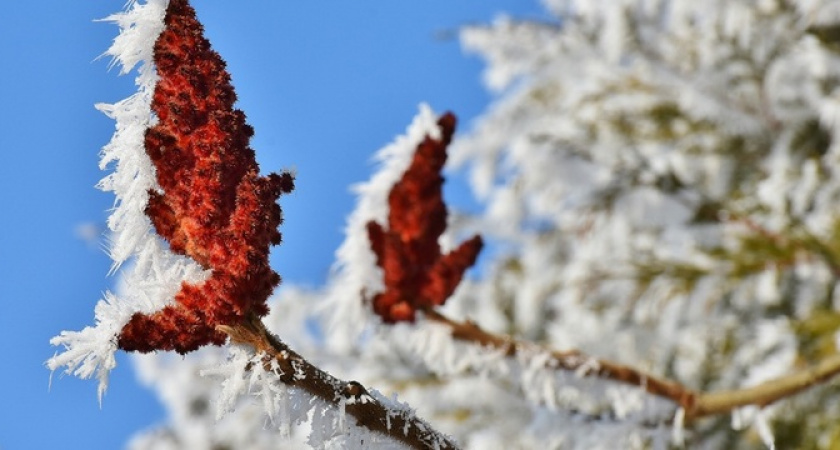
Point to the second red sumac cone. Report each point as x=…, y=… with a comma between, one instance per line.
x=417, y=276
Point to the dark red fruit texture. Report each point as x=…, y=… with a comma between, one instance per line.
x=417, y=275
x=213, y=205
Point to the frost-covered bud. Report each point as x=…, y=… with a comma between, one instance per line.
x=416, y=275
x=212, y=204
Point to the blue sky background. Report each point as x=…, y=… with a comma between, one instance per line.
x=324, y=84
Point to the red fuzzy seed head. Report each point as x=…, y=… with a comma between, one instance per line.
x=417, y=276
x=213, y=205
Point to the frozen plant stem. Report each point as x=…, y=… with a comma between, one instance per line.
x=695, y=404
x=370, y=413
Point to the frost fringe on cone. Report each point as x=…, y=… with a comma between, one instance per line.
x=155, y=275
x=184, y=173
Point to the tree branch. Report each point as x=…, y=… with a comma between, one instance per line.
x=370, y=413
x=768, y=392
x=695, y=404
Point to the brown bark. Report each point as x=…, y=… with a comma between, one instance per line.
x=696, y=404
x=398, y=424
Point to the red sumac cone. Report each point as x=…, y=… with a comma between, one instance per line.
x=213, y=205
x=417, y=276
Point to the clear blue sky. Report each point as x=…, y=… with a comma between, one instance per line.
x=324, y=84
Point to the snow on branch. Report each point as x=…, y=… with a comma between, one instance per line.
x=370, y=409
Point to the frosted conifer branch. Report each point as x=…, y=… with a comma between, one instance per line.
x=370, y=409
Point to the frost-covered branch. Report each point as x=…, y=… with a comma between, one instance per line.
x=371, y=409
x=694, y=404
